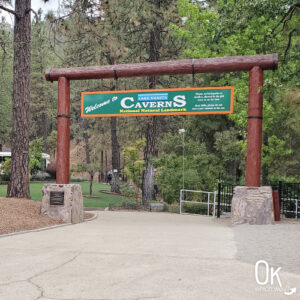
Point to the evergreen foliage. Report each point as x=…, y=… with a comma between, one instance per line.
x=94, y=32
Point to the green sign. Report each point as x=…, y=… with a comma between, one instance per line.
x=194, y=101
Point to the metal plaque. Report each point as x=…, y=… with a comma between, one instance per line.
x=57, y=198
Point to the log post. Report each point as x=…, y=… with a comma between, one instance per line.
x=63, y=132
x=254, y=144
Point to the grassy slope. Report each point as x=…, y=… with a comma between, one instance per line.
x=101, y=200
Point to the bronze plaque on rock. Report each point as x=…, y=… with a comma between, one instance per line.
x=57, y=198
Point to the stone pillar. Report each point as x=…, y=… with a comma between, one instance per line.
x=253, y=205
x=63, y=202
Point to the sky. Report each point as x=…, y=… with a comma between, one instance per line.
x=36, y=5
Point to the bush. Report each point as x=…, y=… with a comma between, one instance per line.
x=129, y=205
x=5, y=168
x=172, y=208
x=77, y=179
x=194, y=208
x=128, y=190
x=4, y=177
x=40, y=176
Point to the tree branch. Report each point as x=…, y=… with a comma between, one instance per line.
x=283, y=20
x=289, y=44
x=35, y=13
x=9, y=11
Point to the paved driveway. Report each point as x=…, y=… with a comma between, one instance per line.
x=137, y=255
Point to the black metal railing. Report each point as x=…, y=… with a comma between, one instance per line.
x=225, y=193
x=289, y=199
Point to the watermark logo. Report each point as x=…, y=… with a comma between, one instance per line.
x=269, y=280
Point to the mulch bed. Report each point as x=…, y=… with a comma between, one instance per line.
x=24, y=214
x=88, y=215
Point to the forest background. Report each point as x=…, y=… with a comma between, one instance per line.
x=94, y=32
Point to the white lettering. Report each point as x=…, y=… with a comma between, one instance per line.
x=123, y=104
x=138, y=105
x=96, y=106
x=256, y=272
x=273, y=274
x=145, y=104
x=179, y=101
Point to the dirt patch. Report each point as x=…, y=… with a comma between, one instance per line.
x=88, y=215
x=24, y=214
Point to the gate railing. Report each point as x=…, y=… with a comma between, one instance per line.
x=225, y=194
x=204, y=199
x=289, y=199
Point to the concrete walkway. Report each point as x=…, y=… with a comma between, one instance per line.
x=140, y=255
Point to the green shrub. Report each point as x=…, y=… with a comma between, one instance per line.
x=5, y=168
x=40, y=176
x=77, y=179
x=129, y=205
x=172, y=208
x=194, y=208
x=128, y=190
x=4, y=177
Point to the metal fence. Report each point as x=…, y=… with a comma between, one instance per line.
x=225, y=194
x=289, y=199
x=197, y=202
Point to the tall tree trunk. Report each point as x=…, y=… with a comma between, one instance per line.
x=115, y=148
x=87, y=148
x=19, y=181
x=101, y=176
x=91, y=182
x=106, y=167
x=151, y=131
x=87, y=153
x=149, y=152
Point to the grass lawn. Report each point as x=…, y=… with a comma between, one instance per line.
x=101, y=200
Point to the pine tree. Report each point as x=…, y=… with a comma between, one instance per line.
x=19, y=181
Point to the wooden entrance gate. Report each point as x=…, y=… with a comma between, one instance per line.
x=254, y=64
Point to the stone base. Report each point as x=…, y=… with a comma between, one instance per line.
x=253, y=205
x=72, y=209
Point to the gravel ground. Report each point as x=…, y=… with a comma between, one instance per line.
x=277, y=244
x=24, y=214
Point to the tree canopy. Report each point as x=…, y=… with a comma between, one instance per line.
x=93, y=32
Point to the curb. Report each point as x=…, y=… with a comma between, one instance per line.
x=45, y=228
x=92, y=218
x=34, y=230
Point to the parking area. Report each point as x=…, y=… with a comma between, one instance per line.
x=141, y=255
